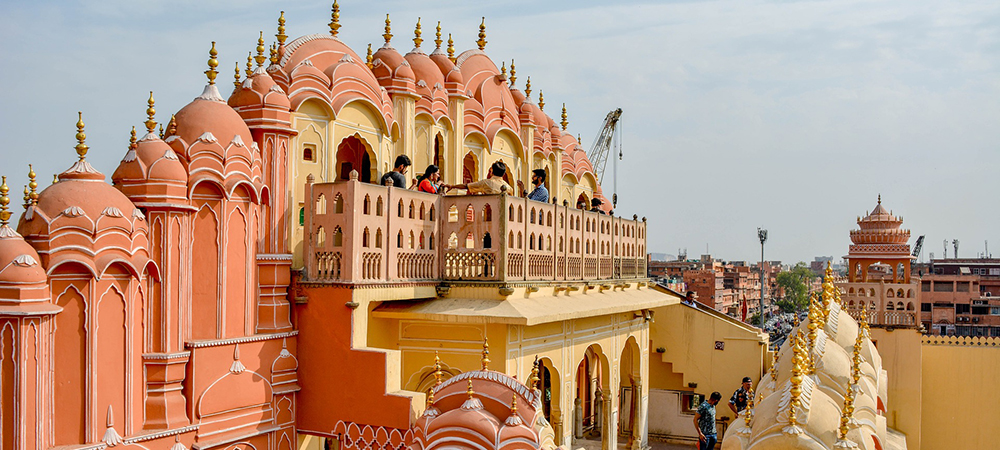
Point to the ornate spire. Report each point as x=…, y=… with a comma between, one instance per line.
x=81, y=138
x=533, y=378
x=795, y=390
x=846, y=414
x=774, y=366
x=748, y=415
x=527, y=88
x=4, y=201
x=451, y=49
x=856, y=357
x=32, y=185
x=541, y=100
x=470, y=391
x=880, y=199
x=369, y=59
x=388, y=31
x=564, y=123
x=486, y=354
x=437, y=369
x=430, y=397
x=111, y=436
x=27, y=197
x=482, y=35
x=249, y=69
x=513, y=74
x=260, y=58
x=503, y=71
x=814, y=318
x=236, y=76
x=281, y=37
x=417, y=40
x=172, y=126
x=274, y=54
x=55, y=178
x=131, y=139
x=213, y=62
x=335, y=19
x=161, y=132
x=150, y=114
x=828, y=289
x=864, y=318
x=437, y=37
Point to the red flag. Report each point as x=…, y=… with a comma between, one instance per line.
x=743, y=309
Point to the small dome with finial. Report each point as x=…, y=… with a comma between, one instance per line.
x=20, y=266
x=150, y=170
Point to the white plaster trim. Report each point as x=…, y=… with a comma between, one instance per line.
x=347, y=58
x=129, y=156
x=276, y=88
x=240, y=340
x=25, y=261
x=150, y=136
x=8, y=232
x=211, y=93
x=74, y=211
x=82, y=167
x=238, y=141
x=112, y=211
x=207, y=137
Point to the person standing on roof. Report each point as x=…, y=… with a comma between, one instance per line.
x=397, y=173
x=540, y=193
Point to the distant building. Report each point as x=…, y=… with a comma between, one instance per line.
x=960, y=297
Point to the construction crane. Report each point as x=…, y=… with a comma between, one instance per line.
x=606, y=142
x=918, y=246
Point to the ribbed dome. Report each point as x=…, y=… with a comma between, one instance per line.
x=208, y=113
x=19, y=263
x=880, y=227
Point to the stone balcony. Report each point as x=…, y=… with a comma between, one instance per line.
x=361, y=233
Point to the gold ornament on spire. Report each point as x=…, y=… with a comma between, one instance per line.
x=864, y=318
x=281, y=37
x=814, y=318
x=541, y=100
x=369, y=59
x=430, y=397
x=564, y=122
x=527, y=88
x=172, y=126
x=795, y=391
x=748, y=415
x=451, y=49
x=213, y=62
x=828, y=289
x=260, y=58
x=503, y=71
x=131, y=140
x=236, y=76
x=470, y=391
x=437, y=37
x=437, y=369
x=32, y=185
x=846, y=417
x=81, y=138
x=4, y=201
x=856, y=358
x=27, y=197
x=513, y=74
x=388, y=31
x=416, y=36
x=486, y=354
x=249, y=69
x=274, y=54
x=335, y=19
x=482, y=35
x=513, y=405
x=55, y=178
x=774, y=366
x=161, y=131
x=533, y=378
x=150, y=114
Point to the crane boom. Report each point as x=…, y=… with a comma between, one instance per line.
x=602, y=146
x=919, y=246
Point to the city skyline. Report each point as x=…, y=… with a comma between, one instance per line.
x=832, y=104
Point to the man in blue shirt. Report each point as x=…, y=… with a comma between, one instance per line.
x=704, y=422
x=540, y=194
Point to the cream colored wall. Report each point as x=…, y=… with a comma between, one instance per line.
x=688, y=336
x=902, y=354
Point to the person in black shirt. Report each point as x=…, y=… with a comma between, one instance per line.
x=396, y=175
x=738, y=402
x=596, y=206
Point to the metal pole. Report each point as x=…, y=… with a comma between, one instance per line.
x=762, y=234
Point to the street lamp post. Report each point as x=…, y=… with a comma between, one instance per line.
x=762, y=234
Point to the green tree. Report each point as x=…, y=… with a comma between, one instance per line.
x=795, y=283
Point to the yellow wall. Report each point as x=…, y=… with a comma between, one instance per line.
x=688, y=336
x=901, y=358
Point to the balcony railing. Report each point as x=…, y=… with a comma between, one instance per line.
x=365, y=233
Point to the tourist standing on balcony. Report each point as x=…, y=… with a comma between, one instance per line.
x=428, y=182
x=581, y=204
x=738, y=402
x=704, y=422
x=540, y=193
x=397, y=173
x=596, y=206
x=492, y=185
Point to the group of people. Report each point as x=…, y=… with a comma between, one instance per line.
x=430, y=180
x=704, y=417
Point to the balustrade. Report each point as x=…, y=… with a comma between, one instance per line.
x=362, y=233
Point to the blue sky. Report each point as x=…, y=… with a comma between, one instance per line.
x=790, y=115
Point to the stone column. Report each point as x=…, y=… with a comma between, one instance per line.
x=578, y=418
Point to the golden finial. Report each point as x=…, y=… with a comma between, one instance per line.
x=482, y=35
x=513, y=404
x=213, y=62
x=131, y=140
x=81, y=138
x=388, y=31
x=32, y=185
x=369, y=59
x=27, y=197
x=172, y=126
x=430, y=397
x=451, y=49
x=879, y=199
x=274, y=54
x=533, y=378
x=249, y=69
x=856, y=358
x=564, y=123
x=437, y=369
x=814, y=317
x=541, y=100
x=503, y=70
x=527, y=88
x=796, y=383
x=486, y=354
x=513, y=74
x=161, y=131
x=416, y=36
x=281, y=30
x=437, y=37
x=150, y=114
x=748, y=415
x=774, y=366
x=864, y=318
x=470, y=391
x=260, y=58
x=55, y=178
x=335, y=19
x=236, y=76
x=846, y=416
x=4, y=201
